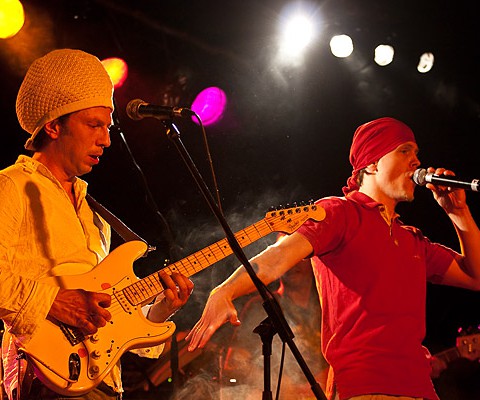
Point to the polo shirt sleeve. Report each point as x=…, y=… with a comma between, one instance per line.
x=328, y=234
x=437, y=257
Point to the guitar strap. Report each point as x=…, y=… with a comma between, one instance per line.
x=123, y=230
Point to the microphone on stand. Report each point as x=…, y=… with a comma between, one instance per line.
x=138, y=109
x=421, y=177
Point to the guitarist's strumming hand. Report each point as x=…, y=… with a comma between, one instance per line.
x=178, y=289
x=81, y=309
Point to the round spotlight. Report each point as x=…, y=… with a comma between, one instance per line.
x=12, y=18
x=210, y=105
x=117, y=70
x=341, y=46
x=384, y=54
x=426, y=63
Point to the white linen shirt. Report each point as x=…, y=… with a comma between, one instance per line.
x=43, y=234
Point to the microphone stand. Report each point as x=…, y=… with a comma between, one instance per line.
x=270, y=304
x=266, y=331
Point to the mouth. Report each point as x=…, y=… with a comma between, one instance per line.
x=410, y=177
x=95, y=158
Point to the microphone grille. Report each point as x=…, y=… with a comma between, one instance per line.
x=132, y=109
x=419, y=176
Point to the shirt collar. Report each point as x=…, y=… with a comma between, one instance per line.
x=32, y=165
x=368, y=202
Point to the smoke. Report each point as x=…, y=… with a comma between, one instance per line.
x=193, y=236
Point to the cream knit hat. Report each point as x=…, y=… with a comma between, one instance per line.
x=59, y=83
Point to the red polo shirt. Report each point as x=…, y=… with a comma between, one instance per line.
x=372, y=279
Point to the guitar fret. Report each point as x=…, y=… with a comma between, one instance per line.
x=154, y=282
x=254, y=233
x=145, y=289
x=224, y=249
x=178, y=266
x=193, y=261
x=129, y=293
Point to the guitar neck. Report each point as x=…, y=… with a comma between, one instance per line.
x=448, y=355
x=150, y=286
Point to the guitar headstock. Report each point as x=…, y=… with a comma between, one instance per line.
x=288, y=220
x=469, y=346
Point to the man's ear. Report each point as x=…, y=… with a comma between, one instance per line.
x=52, y=129
x=371, y=168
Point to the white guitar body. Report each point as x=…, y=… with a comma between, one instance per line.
x=72, y=368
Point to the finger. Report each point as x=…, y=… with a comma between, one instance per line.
x=98, y=320
x=103, y=299
x=86, y=326
x=234, y=320
x=167, y=281
x=170, y=295
x=102, y=313
x=184, y=285
x=197, y=339
x=99, y=304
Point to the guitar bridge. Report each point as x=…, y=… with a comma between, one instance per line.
x=73, y=335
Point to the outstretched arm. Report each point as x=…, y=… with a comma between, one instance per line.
x=270, y=265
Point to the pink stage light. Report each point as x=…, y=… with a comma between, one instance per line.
x=210, y=105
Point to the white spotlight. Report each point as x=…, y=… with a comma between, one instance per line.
x=297, y=34
x=341, y=46
x=426, y=63
x=384, y=54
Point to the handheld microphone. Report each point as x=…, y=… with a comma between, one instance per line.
x=421, y=177
x=138, y=109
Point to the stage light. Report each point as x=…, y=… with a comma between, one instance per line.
x=117, y=70
x=296, y=35
x=210, y=105
x=341, y=46
x=426, y=63
x=12, y=18
x=384, y=54
x=297, y=30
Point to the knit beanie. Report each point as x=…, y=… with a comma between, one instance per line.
x=372, y=141
x=61, y=82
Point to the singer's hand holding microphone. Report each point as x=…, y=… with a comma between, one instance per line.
x=443, y=177
x=442, y=183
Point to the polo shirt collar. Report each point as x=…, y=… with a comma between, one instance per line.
x=367, y=202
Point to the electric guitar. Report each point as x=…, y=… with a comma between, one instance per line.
x=72, y=364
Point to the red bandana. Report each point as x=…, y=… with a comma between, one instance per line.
x=372, y=141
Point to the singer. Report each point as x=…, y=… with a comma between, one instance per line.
x=371, y=271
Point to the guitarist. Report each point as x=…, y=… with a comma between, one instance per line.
x=46, y=226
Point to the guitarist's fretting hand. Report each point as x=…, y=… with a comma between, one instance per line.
x=81, y=309
x=178, y=289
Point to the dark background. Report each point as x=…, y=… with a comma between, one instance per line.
x=286, y=132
